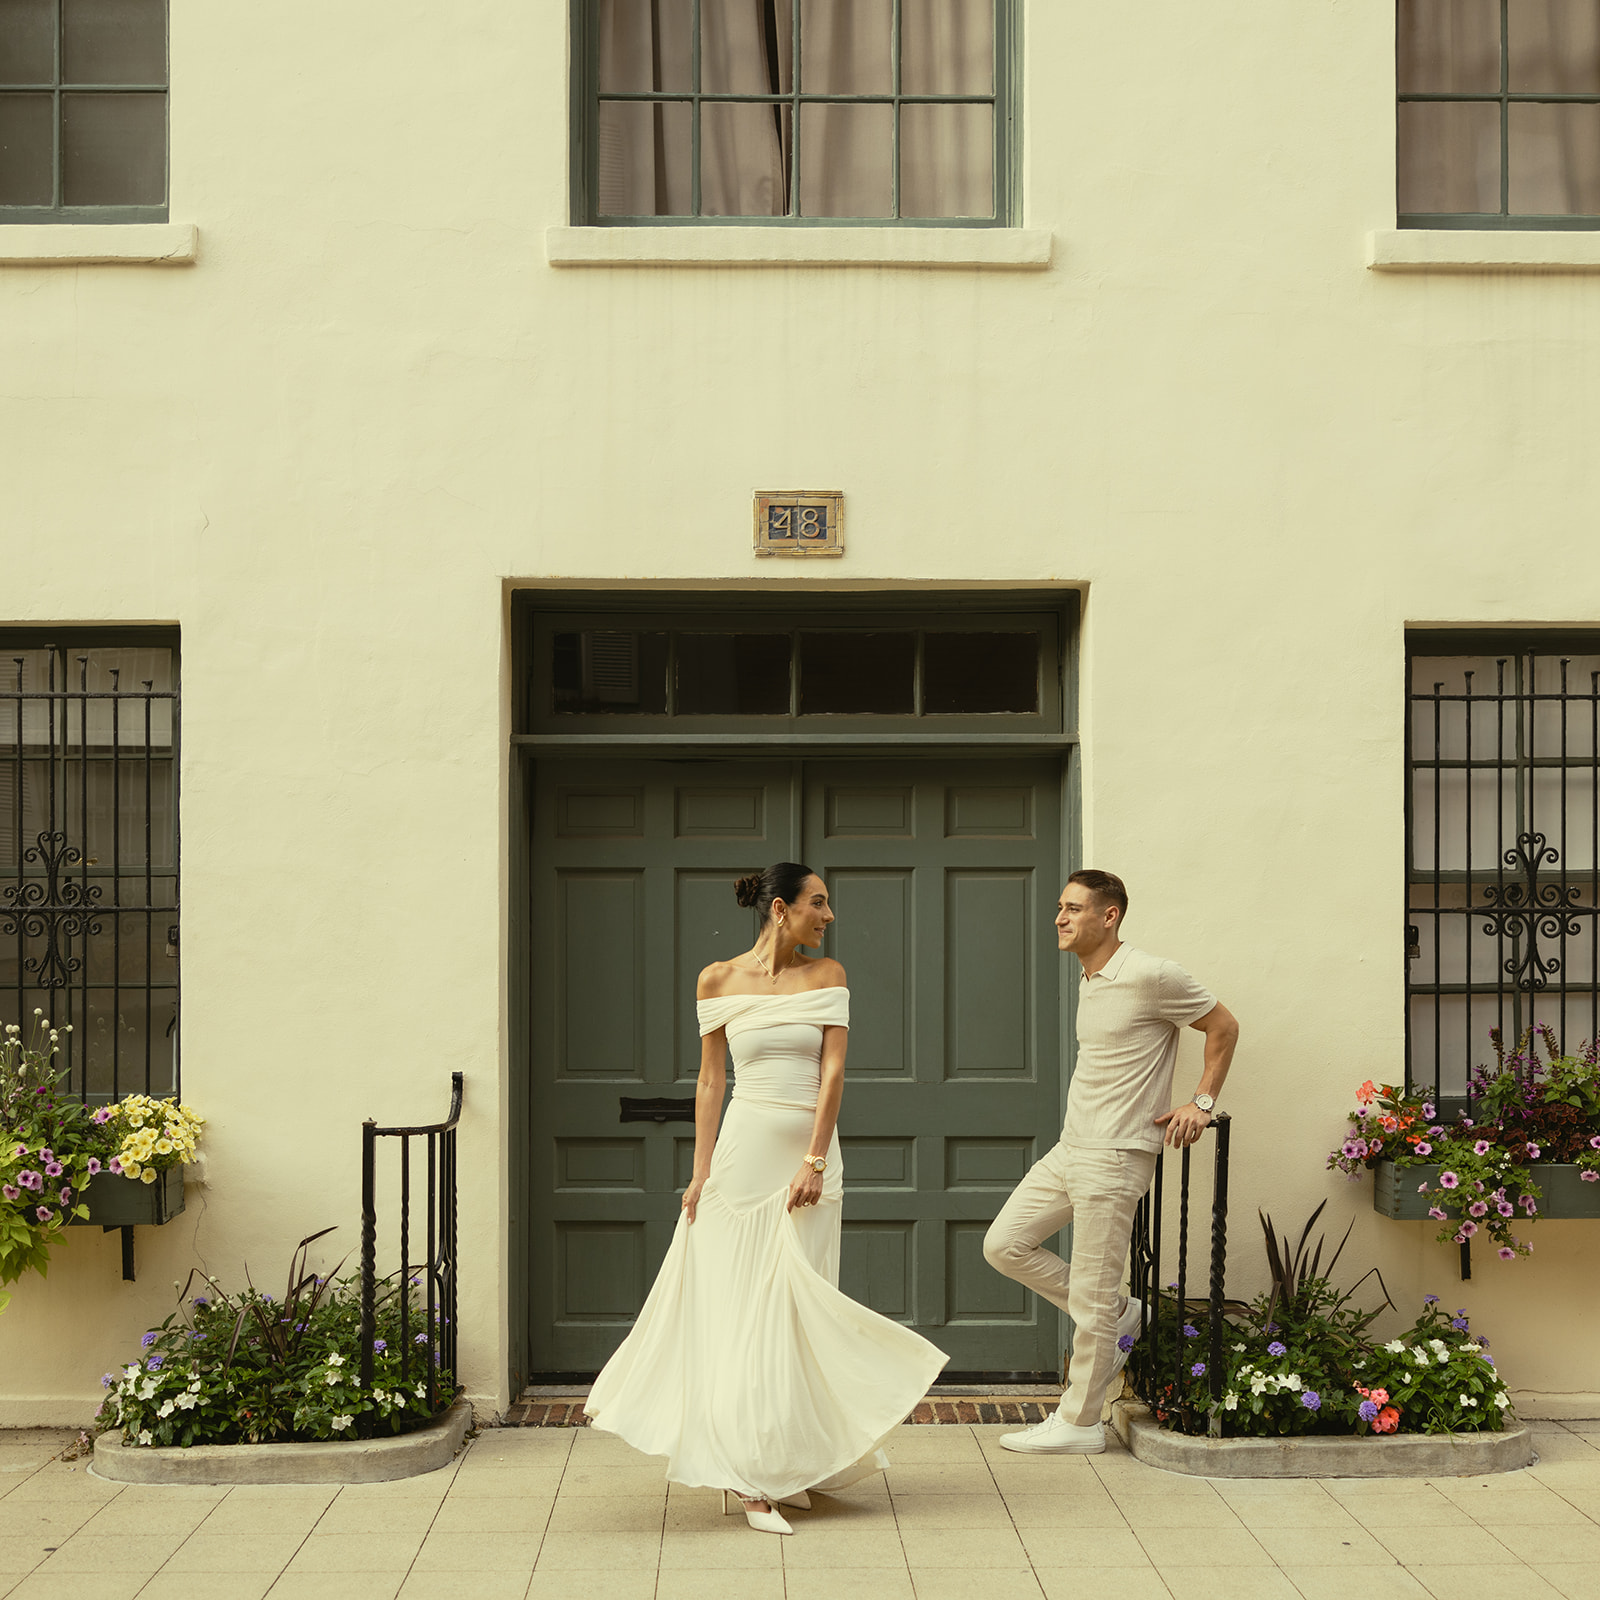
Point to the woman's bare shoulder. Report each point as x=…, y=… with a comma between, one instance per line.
x=825, y=973
x=715, y=980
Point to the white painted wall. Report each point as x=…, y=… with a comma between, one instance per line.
x=327, y=447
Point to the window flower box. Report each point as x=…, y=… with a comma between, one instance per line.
x=1566, y=1195
x=118, y=1202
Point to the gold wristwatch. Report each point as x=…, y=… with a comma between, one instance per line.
x=817, y=1163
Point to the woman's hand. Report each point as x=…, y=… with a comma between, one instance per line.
x=691, y=1196
x=806, y=1189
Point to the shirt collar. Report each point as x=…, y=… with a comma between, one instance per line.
x=1110, y=970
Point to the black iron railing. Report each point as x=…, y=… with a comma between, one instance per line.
x=1168, y=1307
x=433, y=1345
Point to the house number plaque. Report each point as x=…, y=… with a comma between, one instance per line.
x=800, y=523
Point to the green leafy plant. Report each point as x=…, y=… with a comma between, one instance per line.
x=247, y=1367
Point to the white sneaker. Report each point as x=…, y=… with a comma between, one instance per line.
x=1127, y=1328
x=1055, y=1436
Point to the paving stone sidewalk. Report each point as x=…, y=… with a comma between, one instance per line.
x=570, y=1514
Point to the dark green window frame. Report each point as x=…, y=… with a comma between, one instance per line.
x=56, y=87
x=1505, y=97
x=1005, y=98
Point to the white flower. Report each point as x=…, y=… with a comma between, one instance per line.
x=1237, y=1348
x=1291, y=1380
x=331, y=1378
x=166, y=1409
x=1473, y=1348
x=186, y=1400
x=422, y=1393
x=133, y=1371
x=147, y=1390
x=145, y=1436
x=340, y=1422
x=336, y=1360
x=1466, y=1400
x=1395, y=1346
x=1444, y=1358
x=1230, y=1401
x=1502, y=1400
x=1437, y=1346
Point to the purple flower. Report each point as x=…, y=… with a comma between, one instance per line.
x=1533, y=1152
x=1461, y=1311
x=1459, y=1324
x=1423, y=1148
x=1190, y=1331
x=1466, y=1122
x=1505, y=1208
x=1506, y=1253
x=1430, y=1299
x=380, y=1345
x=1488, y=1360
x=154, y=1363
x=1529, y=1204
x=1448, y=1180
x=1481, y=1148
x=43, y=1213
x=29, y=1179
x=200, y=1300
x=1311, y=1400
x=52, y=1169
x=66, y=1194
x=1467, y=1230
x=148, y=1340
x=21, y=1150
x=1276, y=1349
x=421, y=1338
x=116, y=1165
x=1367, y=1410
x=101, y=1117
x=1198, y=1370
x=106, y=1380
x=46, y=1153
x=1437, y=1214
x=94, y=1165
x=1589, y=1176
x=1124, y=1344
x=10, y=1191
x=1478, y=1208
x=1594, y=1143
x=1428, y=1113
x=1351, y=1150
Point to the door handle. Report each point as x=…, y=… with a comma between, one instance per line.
x=665, y=1110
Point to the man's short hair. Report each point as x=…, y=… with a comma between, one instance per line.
x=1107, y=887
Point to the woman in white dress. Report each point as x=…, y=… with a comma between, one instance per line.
x=747, y=1367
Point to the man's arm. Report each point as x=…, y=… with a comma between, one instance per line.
x=1186, y=1123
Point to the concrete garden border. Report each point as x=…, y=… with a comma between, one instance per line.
x=331, y=1461
x=1401, y=1455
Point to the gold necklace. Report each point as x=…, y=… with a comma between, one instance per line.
x=772, y=975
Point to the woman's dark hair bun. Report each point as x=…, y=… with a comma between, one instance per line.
x=783, y=880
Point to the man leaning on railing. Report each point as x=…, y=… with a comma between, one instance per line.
x=1130, y=1008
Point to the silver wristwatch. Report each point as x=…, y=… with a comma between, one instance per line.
x=1206, y=1103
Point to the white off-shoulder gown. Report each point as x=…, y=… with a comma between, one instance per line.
x=748, y=1368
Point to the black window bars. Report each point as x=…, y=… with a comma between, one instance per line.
x=433, y=1346
x=89, y=855
x=1503, y=850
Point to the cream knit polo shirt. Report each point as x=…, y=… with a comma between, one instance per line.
x=1129, y=1014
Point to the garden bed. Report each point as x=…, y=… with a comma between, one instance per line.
x=1395, y=1455
x=1395, y=1190
x=404, y=1455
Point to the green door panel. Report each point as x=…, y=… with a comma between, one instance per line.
x=944, y=877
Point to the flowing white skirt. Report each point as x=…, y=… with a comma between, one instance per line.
x=748, y=1368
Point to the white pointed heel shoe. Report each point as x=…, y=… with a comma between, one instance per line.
x=800, y=1500
x=761, y=1521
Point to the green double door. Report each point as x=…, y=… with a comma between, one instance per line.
x=944, y=876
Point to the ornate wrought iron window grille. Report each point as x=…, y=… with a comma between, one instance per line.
x=1503, y=830
x=89, y=908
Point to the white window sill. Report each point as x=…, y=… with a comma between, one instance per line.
x=1025, y=248
x=75, y=244
x=1452, y=250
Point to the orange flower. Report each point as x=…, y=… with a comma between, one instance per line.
x=1366, y=1094
x=1386, y=1420
x=1389, y=1124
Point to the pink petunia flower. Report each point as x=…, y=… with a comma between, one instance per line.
x=1506, y=1253
x=1424, y=1148
x=1468, y=1229
x=1481, y=1148
x=1437, y=1214
x=43, y=1213
x=1478, y=1208
x=1448, y=1180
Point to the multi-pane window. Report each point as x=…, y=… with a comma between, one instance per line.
x=803, y=110
x=89, y=854
x=1499, y=115
x=1504, y=849
x=686, y=672
x=83, y=110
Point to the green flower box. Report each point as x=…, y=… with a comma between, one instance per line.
x=1566, y=1195
x=117, y=1202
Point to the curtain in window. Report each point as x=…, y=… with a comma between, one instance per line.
x=1449, y=151
x=747, y=155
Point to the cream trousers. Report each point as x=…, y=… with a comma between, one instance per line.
x=1096, y=1191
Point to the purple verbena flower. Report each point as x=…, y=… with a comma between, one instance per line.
x=148, y=1340
x=154, y=1363
x=1430, y=1299
x=421, y=1338
x=106, y=1380
x=1124, y=1344
x=1367, y=1410
x=1459, y=1324
x=1276, y=1349
x=380, y=1345
x=1311, y=1400
x=1198, y=1370
x=200, y=1300
x=1190, y=1331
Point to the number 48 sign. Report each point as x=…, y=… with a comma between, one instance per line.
x=800, y=523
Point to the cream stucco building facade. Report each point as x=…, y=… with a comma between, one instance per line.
x=1204, y=401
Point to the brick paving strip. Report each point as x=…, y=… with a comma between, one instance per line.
x=568, y=1413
